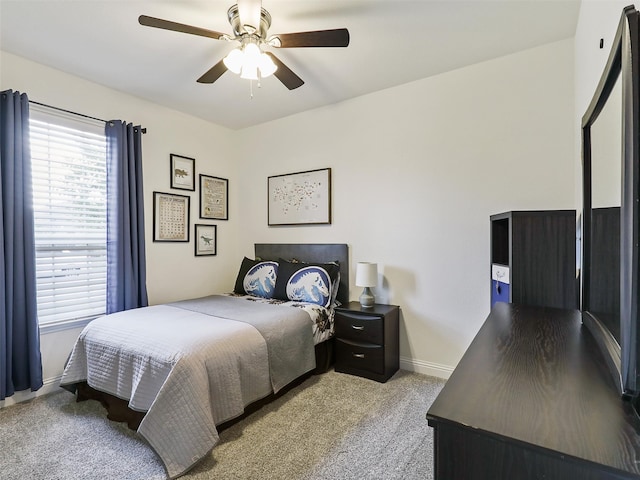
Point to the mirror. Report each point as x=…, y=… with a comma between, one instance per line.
x=610, y=266
x=606, y=199
x=606, y=152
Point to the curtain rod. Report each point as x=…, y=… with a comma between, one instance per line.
x=144, y=130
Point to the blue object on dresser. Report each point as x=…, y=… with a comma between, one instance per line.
x=499, y=284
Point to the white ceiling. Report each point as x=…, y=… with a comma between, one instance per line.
x=392, y=42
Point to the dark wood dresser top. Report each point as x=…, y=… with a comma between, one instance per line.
x=534, y=376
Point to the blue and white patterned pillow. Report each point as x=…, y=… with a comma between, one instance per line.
x=310, y=284
x=260, y=280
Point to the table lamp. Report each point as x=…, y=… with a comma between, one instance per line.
x=367, y=276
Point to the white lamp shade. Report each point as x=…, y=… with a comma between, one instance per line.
x=250, y=62
x=366, y=274
x=233, y=61
x=251, y=55
x=249, y=72
x=267, y=67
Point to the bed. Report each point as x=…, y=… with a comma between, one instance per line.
x=178, y=372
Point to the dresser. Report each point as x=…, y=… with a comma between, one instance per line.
x=532, y=399
x=367, y=340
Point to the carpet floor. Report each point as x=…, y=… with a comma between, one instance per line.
x=332, y=426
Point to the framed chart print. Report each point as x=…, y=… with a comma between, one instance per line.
x=205, y=240
x=183, y=172
x=170, y=217
x=300, y=198
x=214, y=198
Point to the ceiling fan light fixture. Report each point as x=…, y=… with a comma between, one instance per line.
x=251, y=29
x=249, y=62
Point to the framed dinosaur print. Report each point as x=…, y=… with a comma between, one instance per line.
x=206, y=240
x=183, y=172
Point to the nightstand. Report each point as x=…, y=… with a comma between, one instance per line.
x=367, y=340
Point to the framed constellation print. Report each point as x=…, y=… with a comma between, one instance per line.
x=300, y=198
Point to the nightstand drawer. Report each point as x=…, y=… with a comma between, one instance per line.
x=359, y=328
x=352, y=355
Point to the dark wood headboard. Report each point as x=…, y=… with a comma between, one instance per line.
x=311, y=252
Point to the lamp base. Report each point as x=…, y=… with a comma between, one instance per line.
x=367, y=299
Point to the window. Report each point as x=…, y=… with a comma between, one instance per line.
x=69, y=196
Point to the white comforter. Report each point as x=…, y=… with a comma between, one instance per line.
x=188, y=379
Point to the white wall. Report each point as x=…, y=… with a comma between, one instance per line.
x=173, y=272
x=417, y=170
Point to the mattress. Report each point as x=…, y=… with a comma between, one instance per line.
x=191, y=368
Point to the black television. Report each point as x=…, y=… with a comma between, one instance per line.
x=609, y=269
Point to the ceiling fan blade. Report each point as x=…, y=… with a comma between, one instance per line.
x=338, y=37
x=249, y=13
x=178, y=27
x=214, y=73
x=285, y=74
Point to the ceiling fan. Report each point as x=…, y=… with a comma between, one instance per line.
x=250, y=23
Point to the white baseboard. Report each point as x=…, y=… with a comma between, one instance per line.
x=426, y=368
x=50, y=385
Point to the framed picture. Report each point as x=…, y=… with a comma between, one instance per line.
x=300, y=198
x=205, y=239
x=214, y=198
x=170, y=217
x=183, y=172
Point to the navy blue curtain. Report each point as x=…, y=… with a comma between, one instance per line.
x=126, y=261
x=20, y=359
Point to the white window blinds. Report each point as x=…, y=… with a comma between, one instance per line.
x=69, y=194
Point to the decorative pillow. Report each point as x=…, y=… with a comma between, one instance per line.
x=306, y=282
x=246, y=264
x=334, y=289
x=257, y=278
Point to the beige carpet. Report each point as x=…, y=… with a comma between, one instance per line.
x=332, y=426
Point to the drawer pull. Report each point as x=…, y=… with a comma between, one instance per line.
x=357, y=327
x=358, y=355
